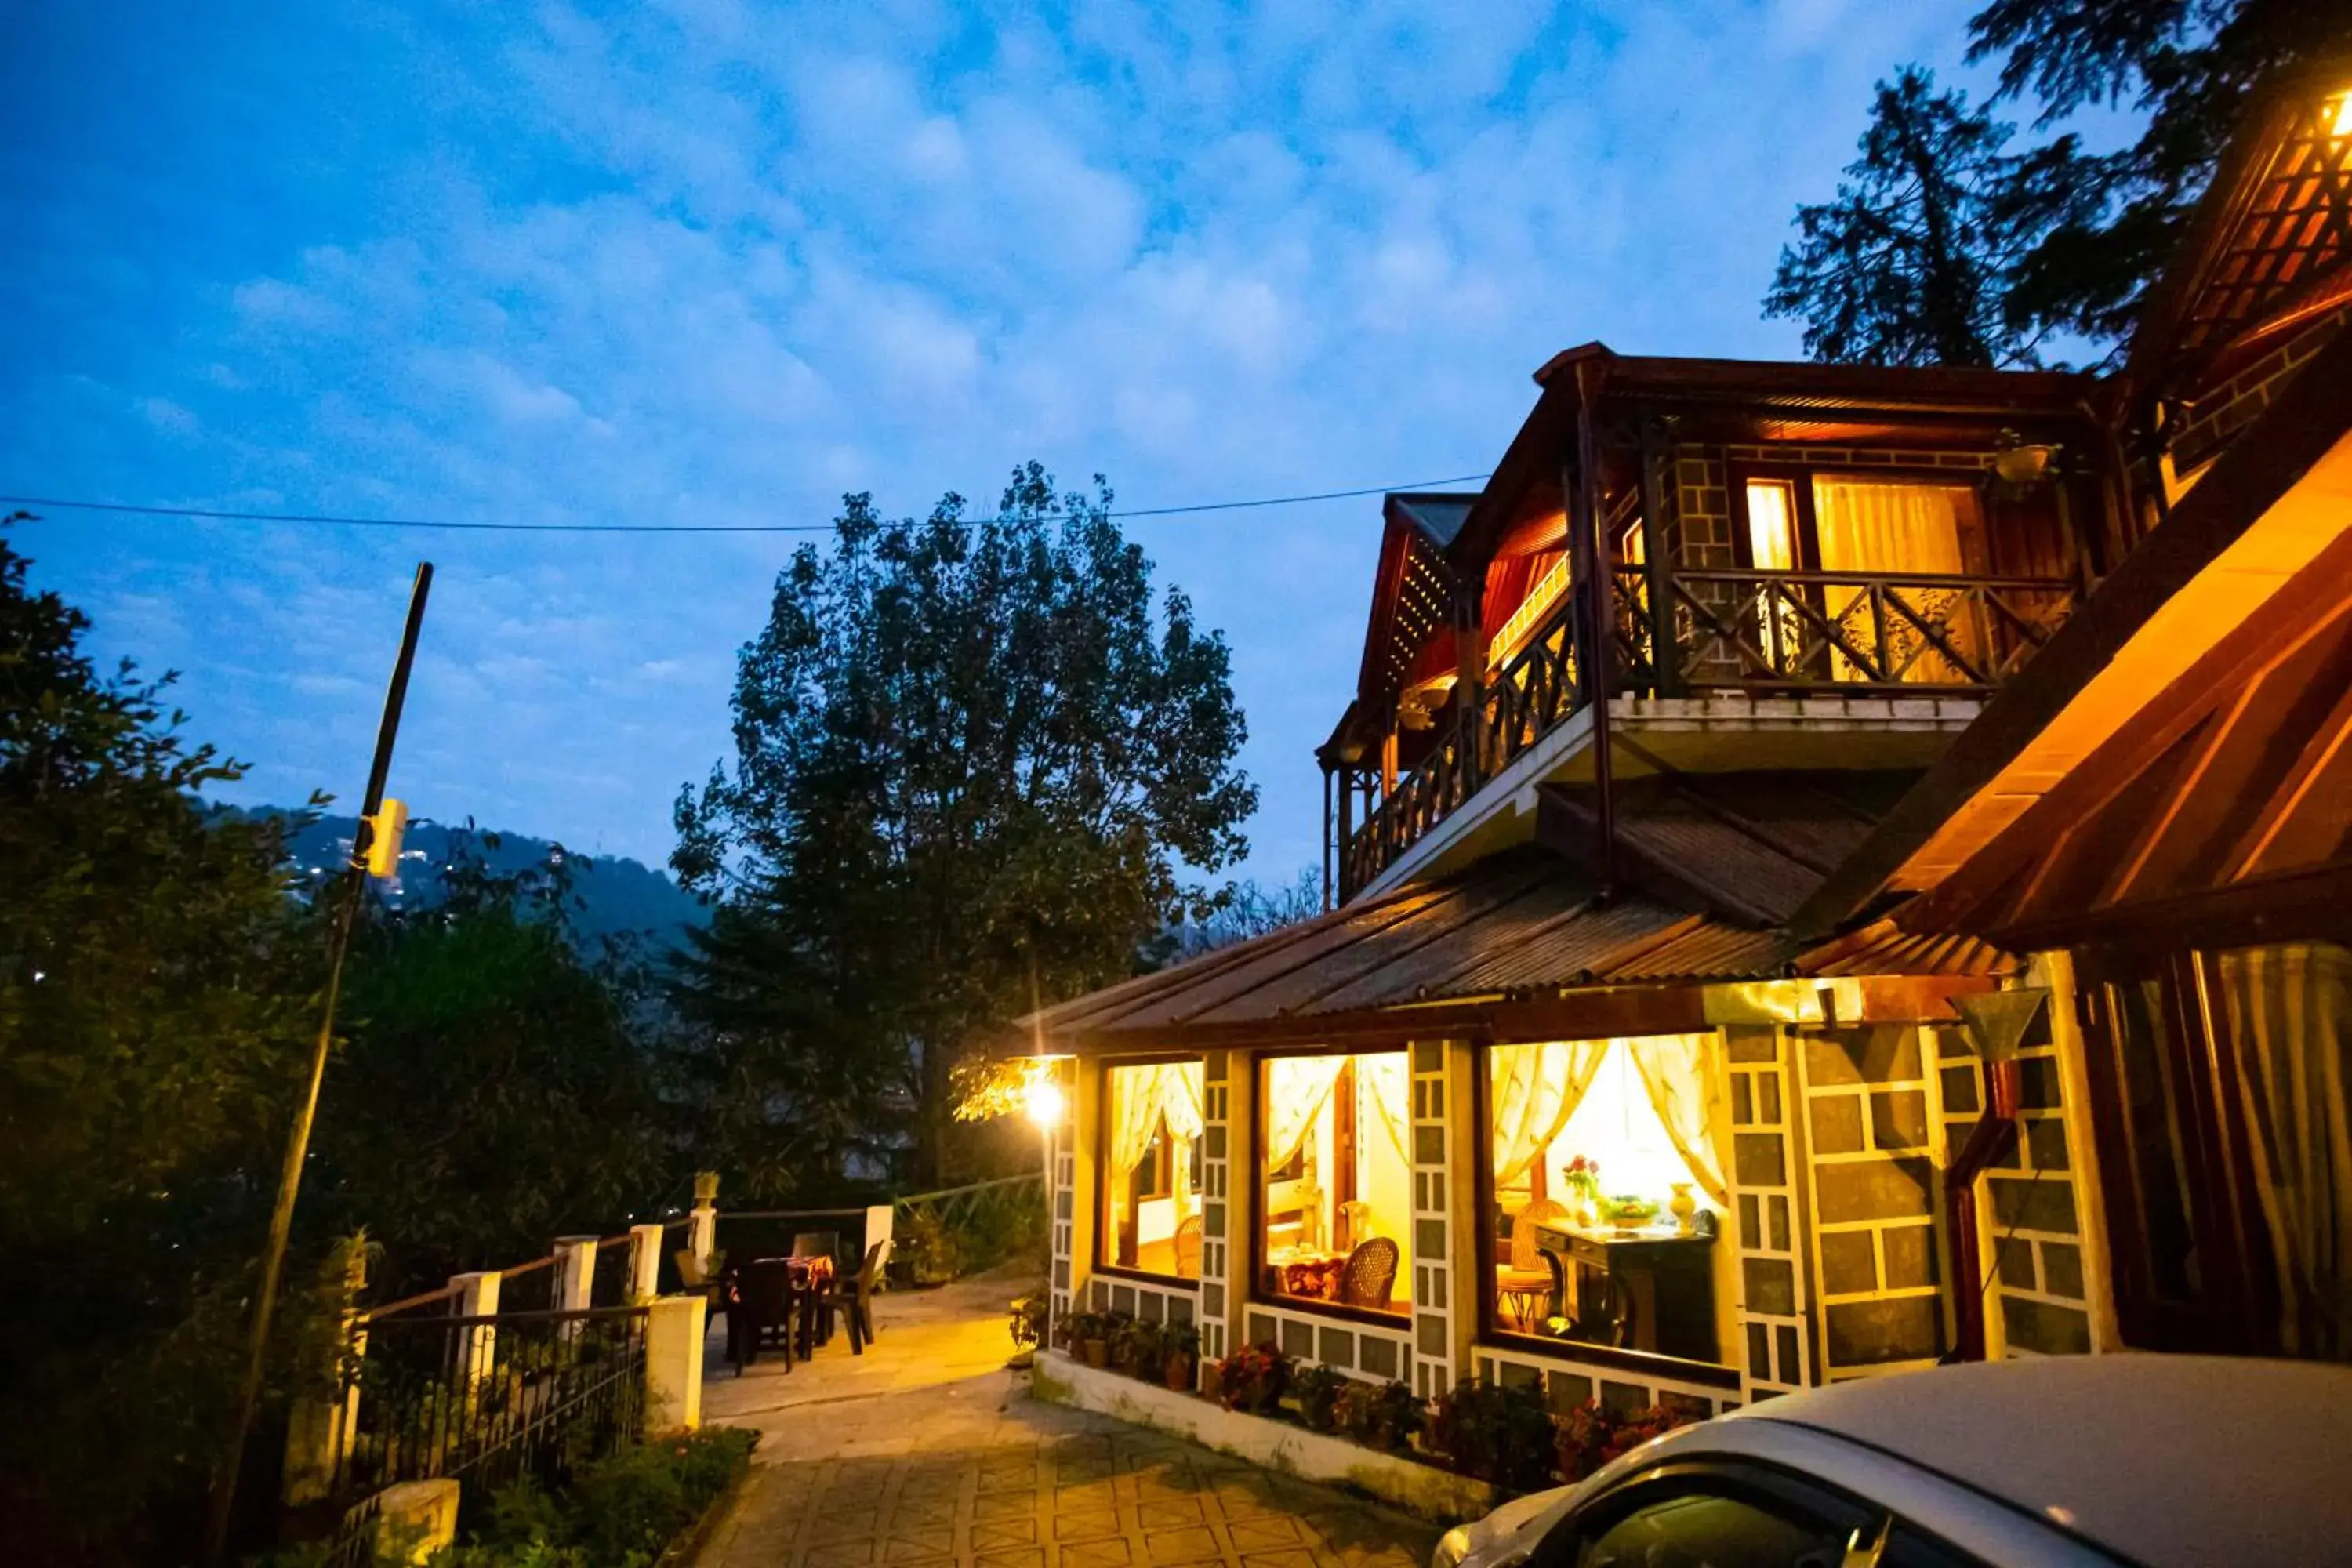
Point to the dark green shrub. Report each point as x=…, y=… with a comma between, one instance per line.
x=1497, y=1433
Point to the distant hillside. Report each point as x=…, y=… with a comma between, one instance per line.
x=617, y=894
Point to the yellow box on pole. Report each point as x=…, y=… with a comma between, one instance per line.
x=383, y=843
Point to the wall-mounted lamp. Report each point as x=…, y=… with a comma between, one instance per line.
x=2019, y=462
x=1042, y=1102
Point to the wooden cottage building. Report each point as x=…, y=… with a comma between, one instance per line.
x=1838, y=868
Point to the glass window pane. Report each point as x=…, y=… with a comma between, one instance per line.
x=1335, y=1179
x=1151, y=1176
x=1701, y=1530
x=1592, y=1146
x=1772, y=525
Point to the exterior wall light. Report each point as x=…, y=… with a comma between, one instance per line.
x=1042, y=1102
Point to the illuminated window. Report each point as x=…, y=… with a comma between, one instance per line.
x=1152, y=1168
x=1592, y=1147
x=1335, y=1181
x=1772, y=525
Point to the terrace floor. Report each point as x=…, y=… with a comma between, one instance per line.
x=926, y=1453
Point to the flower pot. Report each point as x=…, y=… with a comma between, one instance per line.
x=1178, y=1373
x=1095, y=1352
x=1213, y=1380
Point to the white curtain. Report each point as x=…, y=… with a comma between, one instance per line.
x=1683, y=1077
x=1384, y=1084
x=1535, y=1089
x=1297, y=1090
x=2290, y=1012
x=1141, y=1097
x=1866, y=525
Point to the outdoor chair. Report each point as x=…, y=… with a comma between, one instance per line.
x=763, y=1311
x=1188, y=1248
x=853, y=1298
x=1371, y=1275
x=817, y=1243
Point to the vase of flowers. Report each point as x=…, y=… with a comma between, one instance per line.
x=1580, y=1180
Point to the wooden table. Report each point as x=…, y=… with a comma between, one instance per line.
x=1668, y=1276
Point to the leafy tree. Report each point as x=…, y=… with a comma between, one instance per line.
x=498, y=1086
x=2110, y=223
x=154, y=1021
x=970, y=758
x=1907, y=265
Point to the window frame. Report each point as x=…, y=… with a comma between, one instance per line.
x=1104, y=1231
x=1975, y=544
x=1740, y=1479
x=1719, y=1375
x=1396, y=1322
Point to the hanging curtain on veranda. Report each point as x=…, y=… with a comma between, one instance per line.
x=1683, y=1074
x=1141, y=1097
x=1873, y=526
x=1383, y=1084
x=2290, y=1013
x=1534, y=1089
x=1297, y=1090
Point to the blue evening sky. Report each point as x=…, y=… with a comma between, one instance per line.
x=703, y=262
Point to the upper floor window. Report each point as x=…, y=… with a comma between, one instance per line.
x=1839, y=522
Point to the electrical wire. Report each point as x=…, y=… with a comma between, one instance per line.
x=206, y=514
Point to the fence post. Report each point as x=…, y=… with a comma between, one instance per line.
x=325, y=1415
x=477, y=1346
x=575, y=1278
x=644, y=1261
x=881, y=1225
x=674, y=1339
x=702, y=1225
x=415, y=1521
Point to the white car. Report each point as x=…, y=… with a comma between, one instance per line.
x=2159, y=1461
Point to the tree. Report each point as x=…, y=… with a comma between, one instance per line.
x=970, y=761
x=155, y=1018
x=1907, y=265
x=498, y=1086
x=2109, y=224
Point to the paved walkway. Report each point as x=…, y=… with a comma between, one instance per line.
x=926, y=1453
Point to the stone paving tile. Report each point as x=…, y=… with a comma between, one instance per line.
x=924, y=1453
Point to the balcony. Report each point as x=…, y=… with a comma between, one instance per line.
x=1726, y=631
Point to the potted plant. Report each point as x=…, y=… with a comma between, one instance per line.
x=1087, y=1335
x=1378, y=1416
x=1593, y=1435
x=1317, y=1390
x=1027, y=1325
x=1179, y=1345
x=1254, y=1378
x=1135, y=1349
x=1497, y=1434
x=1213, y=1381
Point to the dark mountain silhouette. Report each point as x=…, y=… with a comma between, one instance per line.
x=615, y=894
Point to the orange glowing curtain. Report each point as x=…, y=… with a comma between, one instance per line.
x=1865, y=525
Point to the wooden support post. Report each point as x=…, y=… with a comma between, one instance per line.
x=1470, y=681
x=1581, y=490
x=1665, y=653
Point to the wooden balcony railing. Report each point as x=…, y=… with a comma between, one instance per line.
x=1729, y=630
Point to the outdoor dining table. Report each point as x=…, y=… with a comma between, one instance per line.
x=810, y=1276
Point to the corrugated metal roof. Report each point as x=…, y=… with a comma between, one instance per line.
x=1519, y=921
x=1438, y=516
x=1883, y=948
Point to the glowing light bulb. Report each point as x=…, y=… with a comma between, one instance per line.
x=1042, y=1101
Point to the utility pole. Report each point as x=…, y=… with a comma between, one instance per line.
x=297, y=1141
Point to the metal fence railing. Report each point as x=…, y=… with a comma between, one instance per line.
x=492, y=1400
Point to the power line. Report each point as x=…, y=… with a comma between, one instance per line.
x=327, y=519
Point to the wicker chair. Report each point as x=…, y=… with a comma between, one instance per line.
x=1188, y=1248
x=1371, y=1275
x=1531, y=1287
